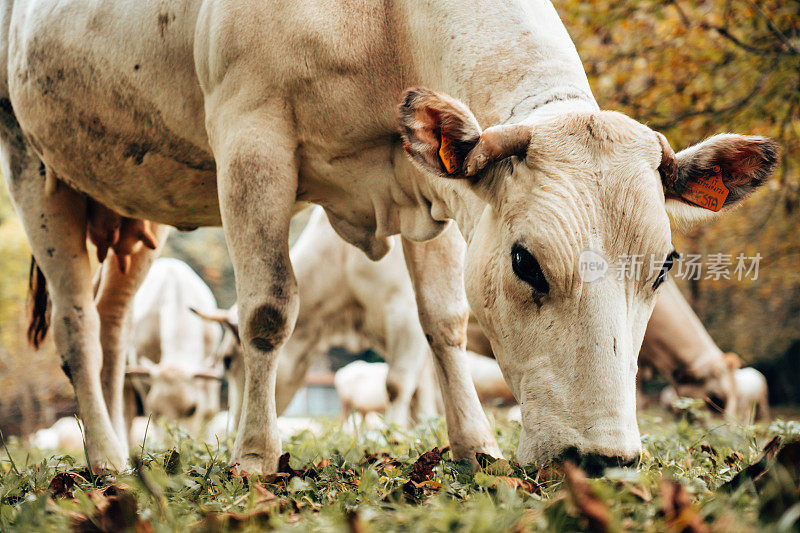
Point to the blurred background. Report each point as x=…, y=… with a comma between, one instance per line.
x=688, y=69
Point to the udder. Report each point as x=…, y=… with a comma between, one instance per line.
x=109, y=230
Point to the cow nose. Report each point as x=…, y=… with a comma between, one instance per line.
x=594, y=464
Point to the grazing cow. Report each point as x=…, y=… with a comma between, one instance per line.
x=361, y=385
x=173, y=349
x=212, y=112
x=345, y=300
x=678, y=347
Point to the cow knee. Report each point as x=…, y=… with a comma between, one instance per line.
x=268, y=325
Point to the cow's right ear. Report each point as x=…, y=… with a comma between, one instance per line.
x=438, y=131
x=442, y=135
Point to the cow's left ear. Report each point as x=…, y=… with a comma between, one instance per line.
x=715, y=174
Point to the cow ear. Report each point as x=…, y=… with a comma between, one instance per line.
x=442, y=135
x=438, y=131
x=714, y=175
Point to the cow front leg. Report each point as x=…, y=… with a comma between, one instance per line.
x=436, y=269
x=114, y=301
x=257, y=188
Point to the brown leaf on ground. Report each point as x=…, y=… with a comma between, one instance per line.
x=422, y=469
x=591, y=508
x=116, y=510
x=285, y=468
x=61, y=485
x=172, y=462
x=516, y=483
x=264, y=495
x=254, y=517
x=680, y=514
x=354, y=521
x=756, y=471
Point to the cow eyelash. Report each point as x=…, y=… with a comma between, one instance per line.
x=665, y=268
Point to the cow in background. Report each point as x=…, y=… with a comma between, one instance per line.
x=349, y=301
x=677, y=347
x=172, y=361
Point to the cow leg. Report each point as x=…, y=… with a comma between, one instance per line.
x=406, y=350
x=55, y=223
x=426, y=399
x=114, y=300
x=257, y=179
x=436, y=269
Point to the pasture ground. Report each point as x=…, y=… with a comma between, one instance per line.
x=696, y=476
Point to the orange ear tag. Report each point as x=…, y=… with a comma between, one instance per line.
x=709, y=192
x=448, y=155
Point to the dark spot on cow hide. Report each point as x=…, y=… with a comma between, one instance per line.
x=77, y=127
x=392, y=391
x=163, y=22
x=267, y=327
x=136, y=151
x=66, y=369
x=136, y=66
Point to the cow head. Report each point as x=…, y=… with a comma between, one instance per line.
x=187, y=397
x=564, y=198
x=713, y=380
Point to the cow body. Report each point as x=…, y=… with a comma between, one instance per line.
x=174, y=348
x=195, y=112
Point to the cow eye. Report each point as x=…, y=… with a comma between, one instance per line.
x=665, y=268
x=527, y=268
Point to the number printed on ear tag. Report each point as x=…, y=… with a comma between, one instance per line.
x=448, y=155
x=709, y=192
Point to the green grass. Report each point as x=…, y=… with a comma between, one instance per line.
x=347, y=483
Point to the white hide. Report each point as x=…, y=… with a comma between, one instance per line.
x=751, y=386
x=64, y=434
x=175, y=345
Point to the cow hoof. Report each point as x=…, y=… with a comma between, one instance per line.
x=109, y=459
x=255, y=464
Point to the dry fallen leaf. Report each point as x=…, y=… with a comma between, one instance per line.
x=680, y=514
x=61, y=485
x=591, y=508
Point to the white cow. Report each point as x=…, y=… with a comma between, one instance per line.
x=207, y=112
x=349, y=301
x=173, y=349
x=680, y=349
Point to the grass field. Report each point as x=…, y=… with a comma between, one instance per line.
x=395, y=480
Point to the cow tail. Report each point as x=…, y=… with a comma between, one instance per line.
x=37, y=329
